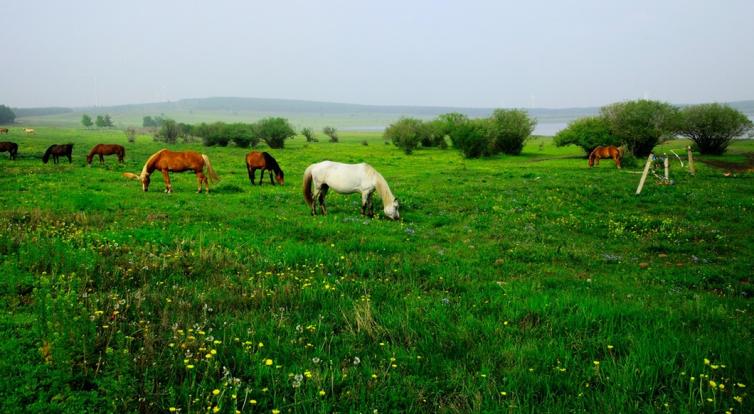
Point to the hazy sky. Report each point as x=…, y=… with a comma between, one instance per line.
x=443, y=53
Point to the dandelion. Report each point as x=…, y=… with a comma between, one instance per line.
x=714, y=366
x=382, y=344
x=374, y=376
x=253, y=402
x=171, y=409
x=322, y=393
x=268, y=362
x=721, y=386
x=315, y=360
x=216, y=409
x=596, y=363
x=503, y=393
x=610, y=347
x=308, y=374
x=215, y=391
x=190, y=366
x=712, y=384
x=706, y=361
x=275, y=411
x=260, y=345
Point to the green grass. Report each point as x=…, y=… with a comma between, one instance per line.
x=527, y=283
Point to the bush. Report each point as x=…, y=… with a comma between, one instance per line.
x=713, y=126
x=7, y=116
x=130, y=135
x=509, y=129
x=331, y=132
x=641, y=124
x=243, y=135
x=168, y=132
x=587, y=133
x=406, y=134
x=308, y=133
x=472, y=137
x=274, y=131
x=446, y=125
x=212, y=134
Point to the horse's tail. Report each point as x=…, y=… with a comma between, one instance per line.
x=47, y=153
x=210, y=171
x=308, y=186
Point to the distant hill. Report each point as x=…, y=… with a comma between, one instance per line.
x=299, y=112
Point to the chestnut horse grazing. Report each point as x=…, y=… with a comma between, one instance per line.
x=58, y=151
x=347, y=179
x=106, y=149
x=167, y=161
x=11, y=147
x=3, y=130
x=263, y=161
x=609, y=151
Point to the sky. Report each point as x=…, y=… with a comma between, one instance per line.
x=546, y=54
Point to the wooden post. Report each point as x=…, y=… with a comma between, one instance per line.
x=644, y=174
x=666, y=163
x=692, y=168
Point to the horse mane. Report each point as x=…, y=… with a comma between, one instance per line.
x=47, y=153
x=144, y=171
x=381, y=186
x=272, y=164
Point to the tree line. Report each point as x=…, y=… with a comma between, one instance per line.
x=642, y=124
x=102, y=121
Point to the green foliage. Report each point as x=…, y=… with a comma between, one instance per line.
x=509, y=129
x=130, y=135
x=641, y=124
x=86, y=120
x=169, y=132
x=406, y=134
x=587, y=133
x=152, y=122
x=472, y=137
x=308, y=133
x=274, y=131
x=445, y=125
x=331, y=132
x=6, y=115
x=103, y=121
x=713, y=126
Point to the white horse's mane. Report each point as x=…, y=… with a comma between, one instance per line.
x=381, y=186
x=149, y=160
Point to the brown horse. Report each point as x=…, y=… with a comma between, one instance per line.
x=58, y=151
x=609, y=151
x=263, y=161
x=166, y=161
x=106, y=149
x=3, y=130
x=11, y=147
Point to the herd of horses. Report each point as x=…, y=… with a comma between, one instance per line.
x=318, y=178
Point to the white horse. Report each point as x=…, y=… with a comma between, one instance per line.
x=348, y=179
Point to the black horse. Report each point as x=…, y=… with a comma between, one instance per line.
x=11, y=147
x=57, y=151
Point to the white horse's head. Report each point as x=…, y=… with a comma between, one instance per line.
x=391, y=210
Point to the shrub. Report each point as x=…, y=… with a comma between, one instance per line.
x=168, y=132
x=446, y=125
x=331, y=132
x=406, y=134
x=713, y=126
x=212, y=134
x=641, y=124
x=308, y=133
x=243, y=135
x=472, y=137
x=587, y=133
x=130, y=135
x=274, y=131
x=7, y=116
x=509, y=129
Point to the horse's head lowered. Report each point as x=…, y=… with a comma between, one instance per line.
x=144, y=180
x=391, y=210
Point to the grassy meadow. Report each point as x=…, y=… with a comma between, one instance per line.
x=511, y=284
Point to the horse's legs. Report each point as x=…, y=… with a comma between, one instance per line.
x=315, y=200
x=271, y=182
x=166, y=177
x=371, y=204
x=322, y=194
x=616, y=158
x=200, y=179
x=70, y=160
x=101, y=159
x=251, y=174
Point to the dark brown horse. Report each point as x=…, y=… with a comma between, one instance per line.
x=263, y=161
x=106, y=149
x=3, y=130
x=58, y=151
x=11, y=147
x=167, y=161
x=609, y=151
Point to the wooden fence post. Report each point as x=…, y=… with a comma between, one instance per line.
x=644, y=174
x=692, y=168
x=666, y=164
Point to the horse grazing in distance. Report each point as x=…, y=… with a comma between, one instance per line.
x=264, y=162
x=29, y=130
x=3, y=130
x=166, y=161
x=11, y=147
x=106, y=149
x=58, y=151
x=609, y=151
x=348, y=179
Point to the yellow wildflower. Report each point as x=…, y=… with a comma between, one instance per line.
x=171, y=409
x=706, y=361
x=712, y=384
x=215, y=391
x=268, y=362
x=322, y=393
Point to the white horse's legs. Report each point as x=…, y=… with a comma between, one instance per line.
x=366, y=203
x=322, y=193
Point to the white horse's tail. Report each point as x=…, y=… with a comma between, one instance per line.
x=308, y=186
x=210, y=171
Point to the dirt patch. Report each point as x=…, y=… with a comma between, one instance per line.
x=747, y=166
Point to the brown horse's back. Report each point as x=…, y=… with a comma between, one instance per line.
x=255, y=159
